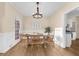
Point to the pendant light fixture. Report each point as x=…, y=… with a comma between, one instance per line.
x=37, y=15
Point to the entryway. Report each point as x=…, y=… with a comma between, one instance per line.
x=72, y=27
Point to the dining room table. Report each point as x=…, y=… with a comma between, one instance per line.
x=40, y=40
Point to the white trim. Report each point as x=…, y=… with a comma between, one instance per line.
x=7, y=41
x=70, y=10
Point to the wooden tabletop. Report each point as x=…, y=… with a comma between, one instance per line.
x=38, y=39
x=41, y=41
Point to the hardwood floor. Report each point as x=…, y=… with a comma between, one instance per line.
x=52, y=50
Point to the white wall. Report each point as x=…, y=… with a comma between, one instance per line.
x=31, y=25
x=7, y=33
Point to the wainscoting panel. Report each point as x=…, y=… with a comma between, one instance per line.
x=7, y=41
x=59, y=38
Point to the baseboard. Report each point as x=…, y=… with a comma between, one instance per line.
x=6, y=50
x=7, y=41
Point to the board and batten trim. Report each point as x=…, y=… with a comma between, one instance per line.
x=7, y=41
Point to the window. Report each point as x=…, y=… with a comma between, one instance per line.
x=36, y=25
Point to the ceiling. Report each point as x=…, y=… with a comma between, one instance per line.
x=29, y=8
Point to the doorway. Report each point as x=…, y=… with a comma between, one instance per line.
x=72, y=27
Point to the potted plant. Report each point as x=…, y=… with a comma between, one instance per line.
x=48, y=30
